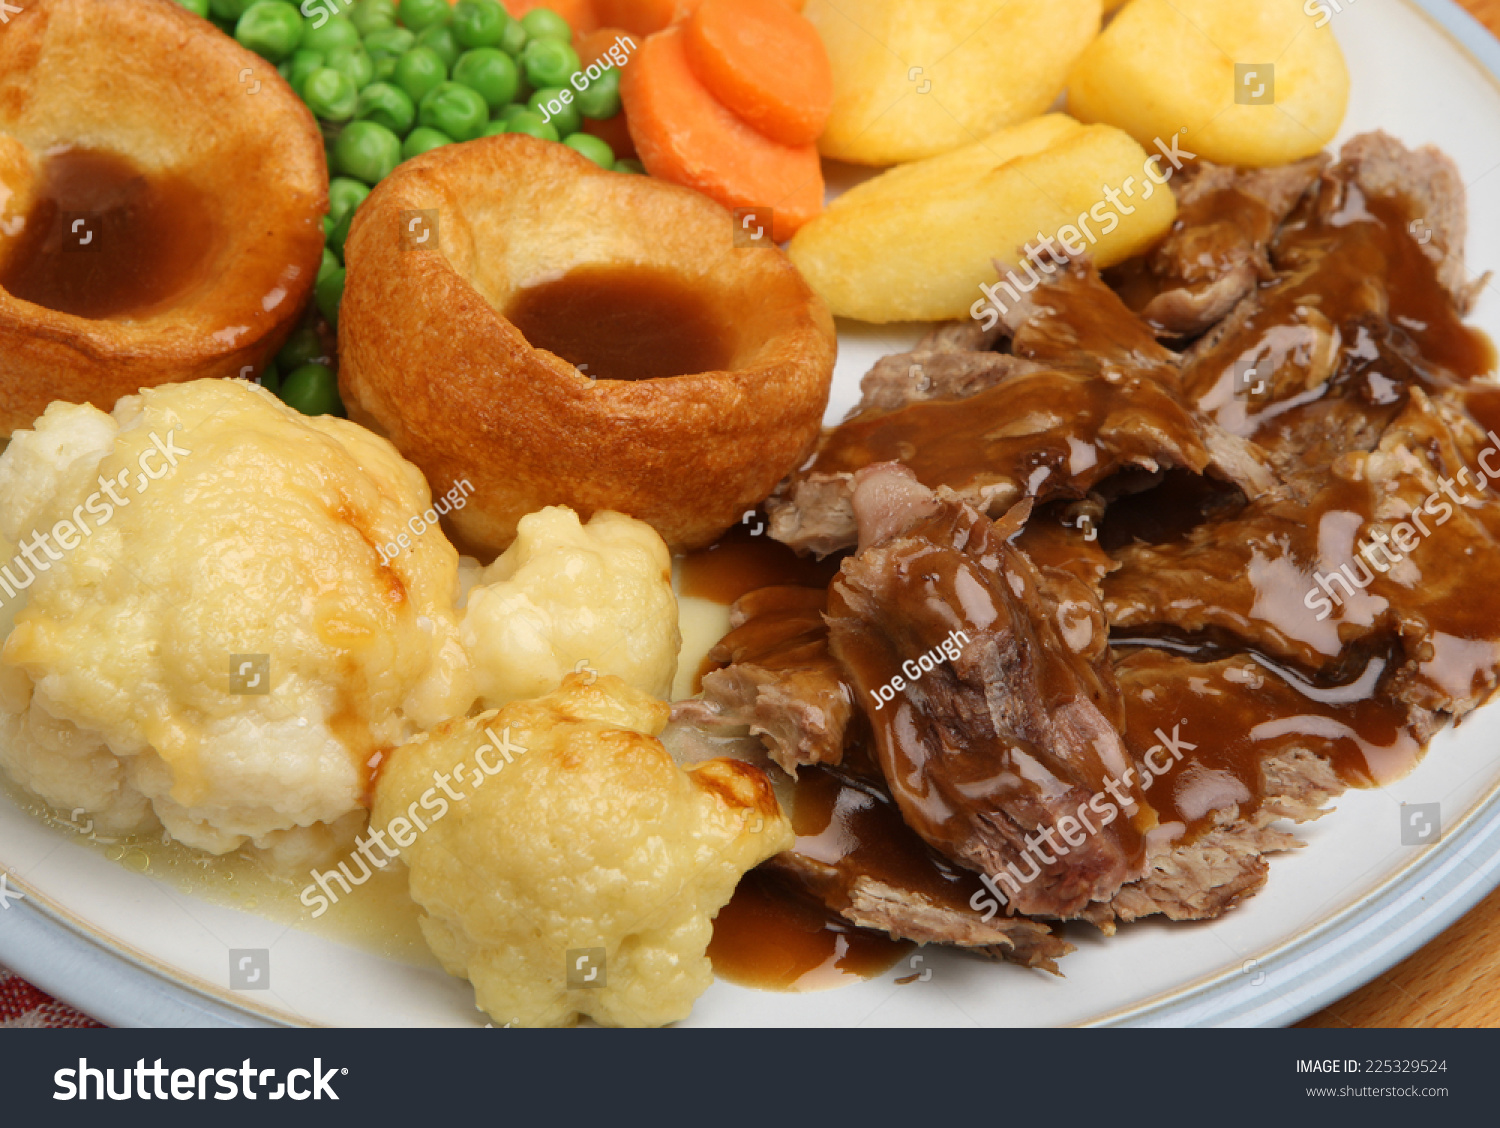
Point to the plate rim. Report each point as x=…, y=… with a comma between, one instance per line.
x=118, y=985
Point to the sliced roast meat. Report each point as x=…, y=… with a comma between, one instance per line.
x=959, y=336
x=856, y=855
x=1086, y=403
x=1394, y=550
x=917, y=377
x=777, y=676
x=1232, y=747
x=1215, y=253
x=1366, y=302
x=1431, y=189
x=993, y=733
x=1072, y=320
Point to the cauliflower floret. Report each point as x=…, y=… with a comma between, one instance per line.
x=565, y=594
x=202, y=521
x=573, y=834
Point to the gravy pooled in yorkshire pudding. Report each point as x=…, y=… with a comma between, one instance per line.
x=481, y=274
x=161, y=199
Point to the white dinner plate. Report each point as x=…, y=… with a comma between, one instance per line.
x=134, y=949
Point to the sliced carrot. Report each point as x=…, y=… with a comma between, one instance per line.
x=685, y=135
x=643, y=17
x=579, y=13
x=596, y=44
x=766, y=63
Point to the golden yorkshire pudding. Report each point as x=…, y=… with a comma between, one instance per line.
x=161, y=200
x=516, y=316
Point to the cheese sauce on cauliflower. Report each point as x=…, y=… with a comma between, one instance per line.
x=573, y=843
x=567, y=596
x=198, y=523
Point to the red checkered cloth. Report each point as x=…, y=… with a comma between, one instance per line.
x=22, y=1006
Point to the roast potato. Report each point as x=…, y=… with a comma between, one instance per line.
x=1165, y=66
x=914, y=78
x=916, y=242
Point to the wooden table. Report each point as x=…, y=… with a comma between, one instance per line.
x=1455, y=980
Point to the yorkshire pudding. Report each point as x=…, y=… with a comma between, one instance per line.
x=467, y=265
x=161, y=200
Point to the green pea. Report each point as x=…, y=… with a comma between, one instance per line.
x=419, y=15
x=230, y=10
x=549, y=62
x=479, y=23
x=344, y=195
x=327, y=222
x=455, y=110
x=495, y=128
x=330, y=261
x=340, y=234
x=390, y=43
x=367, y=151
x=594, y=148
x=353, y=62
x=630, y=165
x=328, y=293
x=423, y=140
x=312, y=389
x=419, y=72
x=600, y=99
x=543, y=23
x=197, y=7
x=513, y=40
x=385, y=70
x=491, y=73
x=304, y=346
x=331, y=94
x=565, y=119
x=370, y=16
x=388, y=105
x=442, y=40
x=302, y=63
x=338, y=31
x=532, y=125
x=270, y=28
x=505, y=113
x=270, y=378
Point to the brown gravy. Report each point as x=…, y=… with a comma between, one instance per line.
x=107, y=240
x=1233, y=707
x=745, y=559
x=771, y=938
x=623, y=323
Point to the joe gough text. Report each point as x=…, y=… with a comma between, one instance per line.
x=1403, y=535
x=457, y=498
x=403, y=829
x=950, y=648
x=1071, y=829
